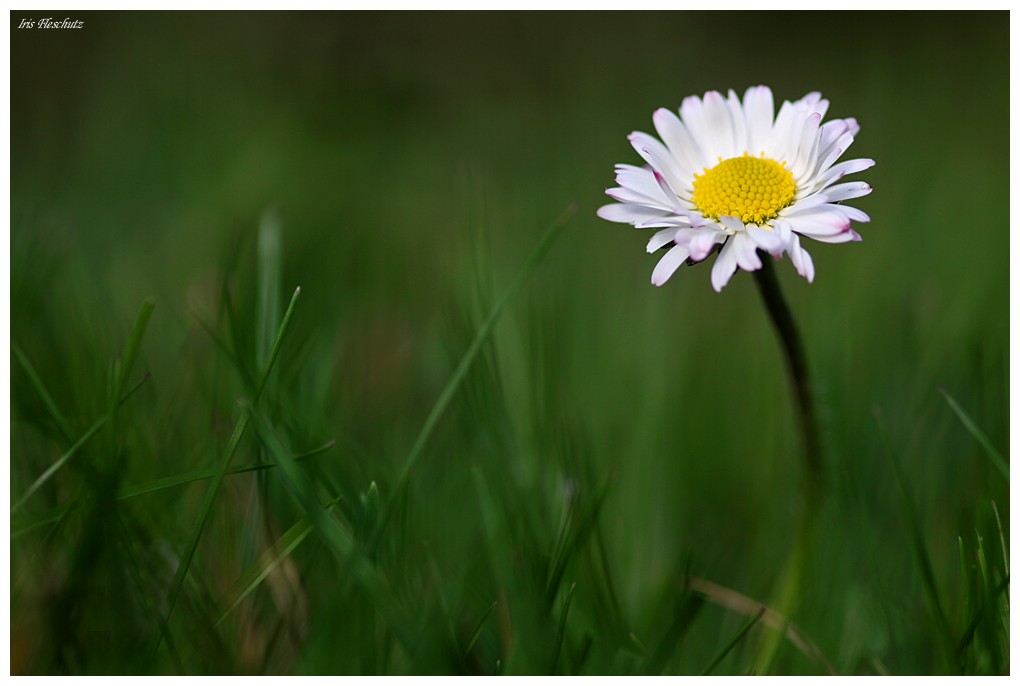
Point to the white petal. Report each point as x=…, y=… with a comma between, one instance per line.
x=770, y=241
x=626, y=213
x=746, y=252
x=661, y=238
x=782, y=227
x=693, y=116
x=673, y=258
x=739, y=122
x=782, y=143
x=819, y=223
x=758, y=111
x=828, y=157
x=674, y=201
x=855, y=214
x=719, y=127
x=661, y=222
x=677, y=138
x=808, y=101
x=847, y=191
x=658, y=156
x=627, y=195
x=640, y=180
x=725, y=265
x=811, y=208
x=732, y=223
x=801, y=259
x=830, y=133
x=807, y=148
x=837, y=172
x=847, y=236
x=807, y=204
x=700, y=242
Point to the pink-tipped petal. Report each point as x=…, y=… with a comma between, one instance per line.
x=847, y=191
x=660, y=239
x=746, y=252
x=724, y=267
x=673, y=258
x=846, y=236
x=700, y=242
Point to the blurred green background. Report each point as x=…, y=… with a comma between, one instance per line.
x=610, y=439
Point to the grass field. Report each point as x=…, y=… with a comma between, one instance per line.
x=444, y=473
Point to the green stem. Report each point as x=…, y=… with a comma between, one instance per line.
x=796, y=367
x=792, y=580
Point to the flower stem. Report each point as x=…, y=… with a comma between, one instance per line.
x=792, y=579
x=796, y=366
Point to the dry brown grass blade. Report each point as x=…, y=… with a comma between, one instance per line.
x=741, y=604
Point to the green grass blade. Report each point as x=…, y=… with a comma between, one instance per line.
x=268, y=309
x=295, y=481
x=971, y=630
x=577, y=528
x=225, y=349
x=221, y=470
x=266, y=563
x=994, y=455
x=444, y=605
x=274, y=351
x=922, y=559
x=1002, y=539
x=127, y=360
x=478, y=631
x=45, y=476
x=684, y=614
x=561, y=630
x=164, y=483
x=203, y=474
x=472, y=352
x=733, y=642
x=122, y=369
x=339, y=541
x=40, y=389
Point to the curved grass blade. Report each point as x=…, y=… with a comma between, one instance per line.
x=339, y=541
x=203, y=474
x=684, y=615
x=472, y=352
x=733, y=643
x=741, y=604
x=124, y=365
x=267, y=562
x=477, y=631
x=971, y=630
x=122, y=368
x=561, y=630
x=40, y=389
x=157, y=485
x=922, y=559
x=994, y=455
x=45, y=476
x=221, y=470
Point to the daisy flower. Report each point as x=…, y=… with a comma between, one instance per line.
x=734, y=175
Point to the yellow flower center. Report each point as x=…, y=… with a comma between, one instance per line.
x=753, y=189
